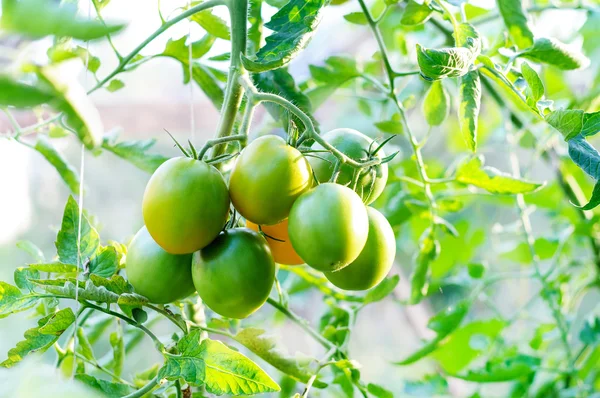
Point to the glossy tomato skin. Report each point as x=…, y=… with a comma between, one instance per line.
x=355, y=145
x=268, y=177
x=235, y=273
x=186, y=204
x=375, y=259
x=160, y=276
x=328, y=226
x=279, y=241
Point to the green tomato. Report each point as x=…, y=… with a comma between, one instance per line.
x=267, y=179
x=375, y=259
x=160, y=276
x=235, y=273
x=186, y=204
x=355, y=145
x=328, y=226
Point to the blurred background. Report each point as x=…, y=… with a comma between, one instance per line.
x=154, y=99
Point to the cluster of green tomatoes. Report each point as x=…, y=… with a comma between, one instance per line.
x=192, y=239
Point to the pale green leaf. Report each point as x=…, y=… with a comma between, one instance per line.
x=535, y=86
x=381, y=291
x=591, y=123
x=468, y=109
x=65, y=170
x=55, y=267
x=66, y=242
x=135, y=152
x=107, y=388
x=13, y=300
x=436, y=105
x=516, y=22
x=357, y=18
x=20, y=95
x=415, y=13
x=474, y=173
x=32, y=249
x=115, y=85
x=211, y=23
x=552, y=52
x=569, y=122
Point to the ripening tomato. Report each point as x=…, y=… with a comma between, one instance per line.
x=375, y=259
x=186, y=204
x=235, y=273
x=356, y=146
x=160, y=276
x=267, y=178
x=328, y=226
x=279, y=242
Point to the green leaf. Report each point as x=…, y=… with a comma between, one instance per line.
x=281, y=82
x=255, y=31
x=382, y=290
x=135, y=152
x=108, y=388
x=128, y=302
x=336, y=72
x=13, y=300
x=594, y=200
x=535, y=86
x=544, y=248
x=79, y=112
x=105, y=263
x=436, y=104
x=590, y=333
x=591, y=123
x=20, y=95
x=211, y=23
x=22, y=275
x=118, y=351
x=429, y=249
x=502, y=370
x=292, y=26
x=445, y=62
x=585, y=156
x=42, y=337
x=266, y=348
x=392, y=126
x=83, y=345
x=443, y=323
x=66, y=242
x=468, y=110
x=55, y=267
x=552, y=52
x=86, y=291
x=357, y=18
x=466, y=343
x=32, y=250
x=474, y=173
x=569, y=122
x=415, y=13
x=537, y=341
x=115, y=85
x=429, y=386
x=40, y=18
x=65, y=170
x=379, y=391
x=116, y=284
x=212, y=364
x=516, y=22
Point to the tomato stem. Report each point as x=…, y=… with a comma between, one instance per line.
x=217, y=142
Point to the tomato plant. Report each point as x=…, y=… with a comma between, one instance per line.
x=432, y=162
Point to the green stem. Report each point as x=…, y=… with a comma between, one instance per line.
x=451, y=16
x=144, y=390
x=193, y=10
x=103, y=370
x=238, y=12
x=247, y=119
x=214, y=143
x=108, y=36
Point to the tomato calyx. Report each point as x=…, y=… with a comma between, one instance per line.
x=193, y=153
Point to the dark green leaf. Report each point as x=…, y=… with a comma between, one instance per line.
x=116, y=284
x=135, y=152
x=436, y=104
x=65, y=170
x=266, y=348
x=415, y=13
x=40, y=18
x=506, y=369
x=255, y=31
x=590, y=333
x=594, y=200
x=20, y=95
x=553, y=52
x=292, y=27
x=128, y=302
x=447, y=320
x=585, y=156
x=42, y=337
x=86, y=291
x=516, y=22
x=474, y=173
